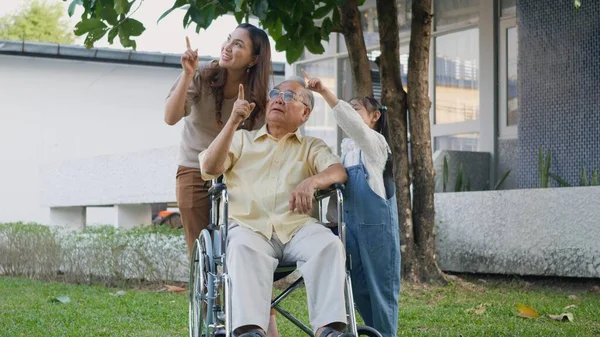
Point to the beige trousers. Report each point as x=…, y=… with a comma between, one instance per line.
x=251, y=262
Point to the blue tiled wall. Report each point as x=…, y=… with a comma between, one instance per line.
x=559, y=87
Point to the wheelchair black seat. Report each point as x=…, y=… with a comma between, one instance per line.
x=283, y=270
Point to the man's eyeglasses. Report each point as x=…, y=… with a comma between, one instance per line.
x=288, y=96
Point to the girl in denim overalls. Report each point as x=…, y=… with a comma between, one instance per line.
x=370, y=210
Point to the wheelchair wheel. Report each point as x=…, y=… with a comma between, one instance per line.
x=367, y=331
x=201, y=286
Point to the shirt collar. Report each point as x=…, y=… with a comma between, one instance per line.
x=262, y=132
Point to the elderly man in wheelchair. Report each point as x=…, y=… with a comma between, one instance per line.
x=271, y=177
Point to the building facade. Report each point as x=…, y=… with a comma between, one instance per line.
x=82, y=133
x=505, y=78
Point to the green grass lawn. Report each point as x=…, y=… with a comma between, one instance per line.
x=26, y=309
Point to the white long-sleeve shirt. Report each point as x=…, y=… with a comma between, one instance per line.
x=361, y=138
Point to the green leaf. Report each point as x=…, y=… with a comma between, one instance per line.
x=108, y=13
x=125, y=39
x=208, y=15
x=177, y=4
x=85, y=26
x=204, y=17
x=559, y=180
x=239, y=16
x=186, y=19
x=595, y=178
x=132, y=27
x=322, y=12
x=122, y=6
x=314, y=44
x=72, y=6
x=112, y=34
x=335, y=17
x=93, y=36
x=276, y=30
x=195, y=15
x=501, y=181
x=293, y=52
x=238, y=5
x=577, y=5
x=326, y=28
x=297, y=12
x=259, y=8
x=583, y=177
x=282, y=43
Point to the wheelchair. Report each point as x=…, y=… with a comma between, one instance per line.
x=210, y=284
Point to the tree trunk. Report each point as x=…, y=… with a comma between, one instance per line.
x=394, y=97
x=422, y=159
x=357, y=51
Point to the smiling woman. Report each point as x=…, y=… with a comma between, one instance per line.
x=203, y=98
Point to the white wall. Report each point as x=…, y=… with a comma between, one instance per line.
x=55, y=111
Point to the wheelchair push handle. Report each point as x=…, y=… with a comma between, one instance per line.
x=216, y=189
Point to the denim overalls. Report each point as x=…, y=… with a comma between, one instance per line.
x=373, y=241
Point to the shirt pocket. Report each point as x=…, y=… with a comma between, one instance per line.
x=296, y=173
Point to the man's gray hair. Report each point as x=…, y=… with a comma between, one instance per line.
x=300, y=80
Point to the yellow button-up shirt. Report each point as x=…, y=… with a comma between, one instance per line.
x=261, y=172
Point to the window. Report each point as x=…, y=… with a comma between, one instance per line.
x=404, y=65
x=512, y=101
x=370, y=24
x=508, y=7
x=508, y=109
x=460, y=142
x=453, y=13
x=457, y=77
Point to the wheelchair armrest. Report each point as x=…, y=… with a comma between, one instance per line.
x=216, y=189
x=331, y=191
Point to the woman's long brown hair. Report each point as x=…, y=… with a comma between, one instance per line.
x=257, y=79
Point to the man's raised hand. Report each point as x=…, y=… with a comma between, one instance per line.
x=241, y=107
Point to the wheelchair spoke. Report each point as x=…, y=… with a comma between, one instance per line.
x=201, y=316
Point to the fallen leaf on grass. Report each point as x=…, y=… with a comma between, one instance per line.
x=572, y=306
x=174, y=289
x=573, y=298
x=567, y=316
x=60, y=299
x=526, y=311
x=118, y=293
x=480, y=309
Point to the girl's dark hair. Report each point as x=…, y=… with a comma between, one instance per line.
x=257, y=79
x=372, y=105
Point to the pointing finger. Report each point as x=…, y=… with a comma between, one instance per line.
x=187, y=43
x=241, y=92
x=306, y=76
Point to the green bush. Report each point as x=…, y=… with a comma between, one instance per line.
x=97, y=254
